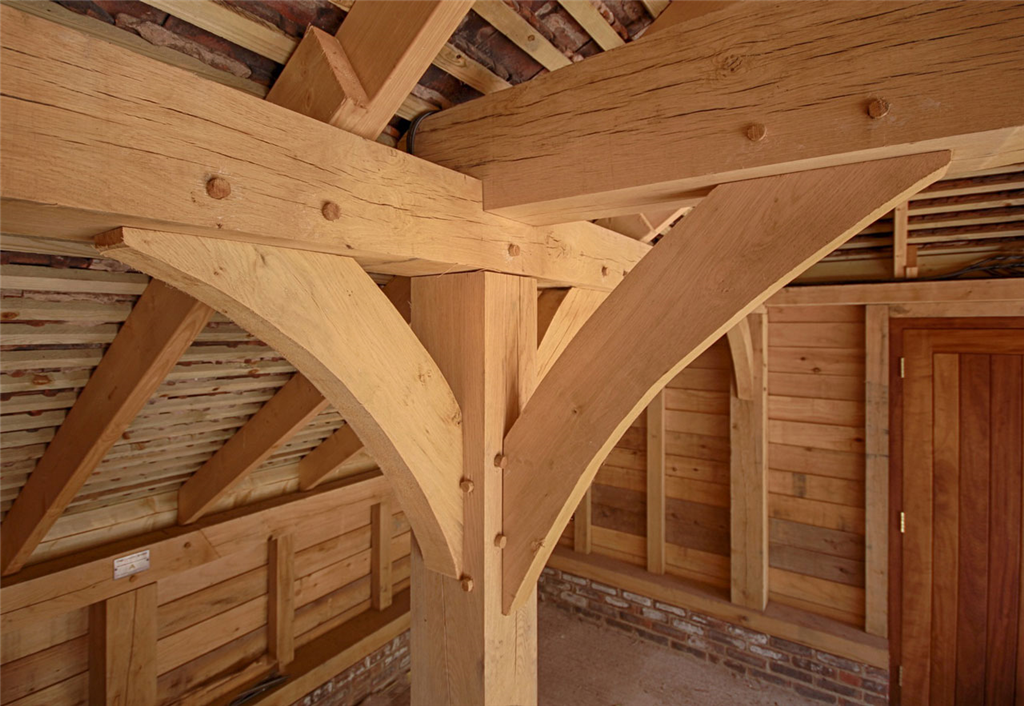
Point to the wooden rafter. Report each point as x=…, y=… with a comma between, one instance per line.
x=358, y=80
x=283, y=169
x=310, y=307
x=162, y=324
x=284, y=415
x=712, y=269
x=806, y=96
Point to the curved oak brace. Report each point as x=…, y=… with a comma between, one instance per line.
x=741, y=349
x=741, y=245
x=328, y=318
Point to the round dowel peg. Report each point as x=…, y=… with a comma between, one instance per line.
x=467, y=584
x=331, y=211
x=756, y=132
x=466, y=485
x=500, y=541
x=604, y=270
x=878, y=108
x=501, y=461
x=218, y=188
x=513, y=250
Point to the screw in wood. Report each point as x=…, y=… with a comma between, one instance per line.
x=466, y=485
x=331, y=211
x=756, y=132
x=467, y=584
x=218, y=188
x=878, y=108
x=513, y=250
x=500, y=541
x=501, y=461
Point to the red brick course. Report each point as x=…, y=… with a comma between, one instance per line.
x=371, y=675
x=818, y=677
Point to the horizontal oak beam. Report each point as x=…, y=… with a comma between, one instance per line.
x=975, y=290
x=673, y=112
x=95, y=137
x=720, y=263
x=313, y=308
x=50, y=588
x=161, y=326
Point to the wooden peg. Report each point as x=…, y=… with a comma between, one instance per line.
x=500, y=541
x=218, y=188
x=467, y=584
x=331, y=211
x=878, y=108
x=756, y=132
x=501, y=461
x=466, y=485
x=513, y=250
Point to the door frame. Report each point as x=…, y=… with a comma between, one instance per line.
x=897, y=327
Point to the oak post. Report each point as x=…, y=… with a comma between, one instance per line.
x=380, y=555
x=281, y=598
x=481, y=330
x=656, y=484
x=122, y=649
x=748, y=476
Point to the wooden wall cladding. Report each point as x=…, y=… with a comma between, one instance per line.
x=816, y=459
x=211, y=620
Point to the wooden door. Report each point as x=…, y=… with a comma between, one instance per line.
x=960, y=439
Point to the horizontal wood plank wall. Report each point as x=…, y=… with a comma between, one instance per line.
x=211, y=621
x=816, y=459
x=697, y=523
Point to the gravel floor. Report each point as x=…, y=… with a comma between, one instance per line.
x=582, y=664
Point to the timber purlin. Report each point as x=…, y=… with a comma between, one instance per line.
x=814, y=674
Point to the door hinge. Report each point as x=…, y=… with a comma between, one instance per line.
x=903, y=523
x=903, y=368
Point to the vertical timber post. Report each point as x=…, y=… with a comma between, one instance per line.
x=481, y=328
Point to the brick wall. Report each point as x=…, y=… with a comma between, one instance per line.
x=371, y=675
x=817, y=676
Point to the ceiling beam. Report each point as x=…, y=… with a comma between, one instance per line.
x=161, y=325
x=329, y=319
x=716, y=99
x=95, y=137
x=719, y=264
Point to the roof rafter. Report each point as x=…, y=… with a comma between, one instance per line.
x=161, y=325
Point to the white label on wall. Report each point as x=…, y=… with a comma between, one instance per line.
x=131, y=564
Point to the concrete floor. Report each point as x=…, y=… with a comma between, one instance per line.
x=582, y=664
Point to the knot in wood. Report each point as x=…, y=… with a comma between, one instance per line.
x=878, y=108
x=756, y=132
x=218, y=188
x=331, y=211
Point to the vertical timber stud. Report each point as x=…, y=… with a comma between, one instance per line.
x=281, y=598
x=748, y=484
x=876, y=487
x=581, y=525
x=656, y=484
x=900, y=237
x=122, y=649
x=380, y=555
x=481, y=330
